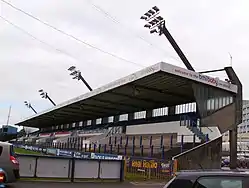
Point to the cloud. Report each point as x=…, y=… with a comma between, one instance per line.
x=205, y=30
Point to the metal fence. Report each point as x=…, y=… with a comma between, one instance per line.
x=71, y=168
x=147, y=168
x=161, y=150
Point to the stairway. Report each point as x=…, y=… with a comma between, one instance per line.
x=192, y=125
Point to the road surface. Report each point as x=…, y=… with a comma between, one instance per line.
x=80, y=185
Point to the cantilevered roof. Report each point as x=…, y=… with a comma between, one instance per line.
x=153, y=87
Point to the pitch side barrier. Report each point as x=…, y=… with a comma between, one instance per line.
x=142, y=167
x=75, y=154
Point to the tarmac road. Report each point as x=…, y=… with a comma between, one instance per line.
x=80, y=185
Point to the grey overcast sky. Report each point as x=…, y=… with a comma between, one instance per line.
x=206, y=30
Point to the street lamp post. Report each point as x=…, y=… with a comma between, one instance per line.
x=77, y=75
x=28, y=104
x=156, y=24
x=44, y=95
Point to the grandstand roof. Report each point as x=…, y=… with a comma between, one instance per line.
x=153, y=87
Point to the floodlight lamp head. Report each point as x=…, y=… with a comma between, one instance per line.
x=160, y=18
x=147, y=26
x=153, y=31
x=151, y=12
x=155, y=8
x=143, y=18
x=71, y=68
x=147, y=14
x=74, y=73
x=76, y=77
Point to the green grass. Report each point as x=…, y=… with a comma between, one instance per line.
x=140, y=177
x=24, y=151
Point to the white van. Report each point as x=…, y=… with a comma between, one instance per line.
x=8, y=162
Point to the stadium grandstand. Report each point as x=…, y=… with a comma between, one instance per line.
x=163, y=109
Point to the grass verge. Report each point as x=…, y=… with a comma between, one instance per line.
x=24, y=151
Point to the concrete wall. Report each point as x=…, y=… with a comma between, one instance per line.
x=205, y=156
x=213, y=132
x=165, y=127
x=224, y=118
x=61, y=167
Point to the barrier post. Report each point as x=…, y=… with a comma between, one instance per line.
x=133, y=150
x=111, y=148
x=151, y=151
x=99, y=148
x=105, y=148
x=115, y=141
x=162, y=152
x=121, y=140
x=85, y=147
x=78, y=144
x=194, y=140
x=150, y=140
x=161, y=142
x=207, y=138
x=90, y=147
x=81, y=143
x=94, y=148
x=141, y=141
x=182, y=139
x=127, y=141
x=73, y=167
x=110, y=140
x=125, y=151
x=171, y=141
x=142, y=150
x=118, y=149
x=133, y=140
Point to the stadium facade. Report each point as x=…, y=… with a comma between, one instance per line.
x=161, y=99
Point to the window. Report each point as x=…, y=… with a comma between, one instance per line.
x=182, y=183
x=220, y=182
x=12, y=151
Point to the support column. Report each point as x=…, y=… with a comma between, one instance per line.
x=149, y=114
x=171, y=110
x=116, y=119
x=130, y=118
x=238, y=116
x=233, y=147
x=84, y=124
x=105, y=120
x=93, y=123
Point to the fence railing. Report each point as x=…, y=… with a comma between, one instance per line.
x=71, y=168
x=140, y=148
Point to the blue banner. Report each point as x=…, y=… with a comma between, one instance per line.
x=106, y=156
x=66, y=153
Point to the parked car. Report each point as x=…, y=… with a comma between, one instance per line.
x=210, y=179
x=9, y=163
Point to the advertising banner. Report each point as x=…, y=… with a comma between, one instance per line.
x=106, y=156
x=51, y=151
x=156, y=165
x=79, y=155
